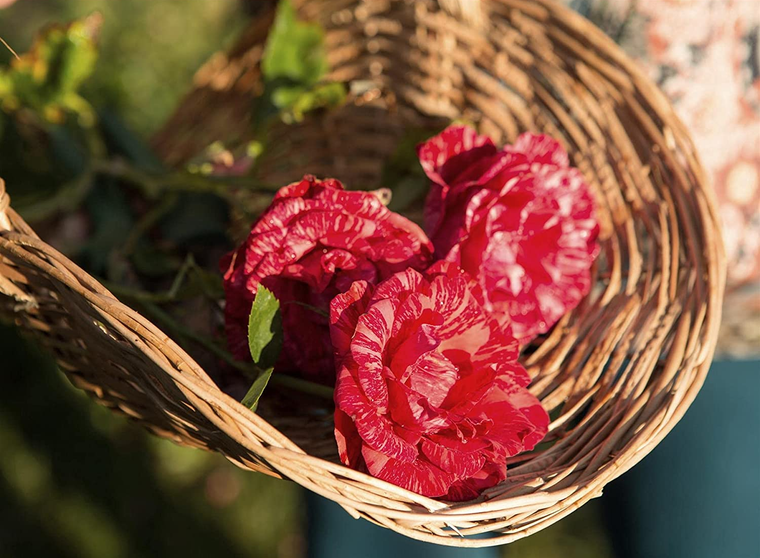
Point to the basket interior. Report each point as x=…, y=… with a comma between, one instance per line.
x=523, y=70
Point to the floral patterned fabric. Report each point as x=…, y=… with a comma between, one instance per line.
x=705, y=55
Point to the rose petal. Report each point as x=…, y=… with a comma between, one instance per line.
x=370, y=337
x=519, y=419
x=348, y=439
x=432, y=375
x=540, y=148
x=490, y=475
x=527, y=234
x=419, y=476
x=375, y=429
x=345, y=310
x=413, y=412
x=459, y=463
x=406, y=281
x=453, y=151
x=433, y=386
x=416, y=346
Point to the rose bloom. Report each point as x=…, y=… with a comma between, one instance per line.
x=520, y=220
x=312, y=243
x=429, y=394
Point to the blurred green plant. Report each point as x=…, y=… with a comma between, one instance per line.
x=149, y=50
x=45, y=122
x=47, y=79
x=90, y=484
x=293, y=67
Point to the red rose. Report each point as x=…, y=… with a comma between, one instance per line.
x=312, y=243
x=518, y=219
x=429, y=394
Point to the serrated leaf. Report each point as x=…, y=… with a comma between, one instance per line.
x=265, y=329
x=251, y=399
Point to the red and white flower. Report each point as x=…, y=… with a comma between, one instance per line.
x=429, y=393
x=519, y=220
x=311, y=244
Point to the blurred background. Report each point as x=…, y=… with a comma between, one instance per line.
x=77, y=481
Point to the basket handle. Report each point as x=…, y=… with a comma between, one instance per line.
x=5, y=202
x=471, y=11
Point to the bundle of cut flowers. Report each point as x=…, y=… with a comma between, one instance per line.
x=420, y=332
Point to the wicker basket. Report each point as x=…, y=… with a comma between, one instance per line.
x=617, y=373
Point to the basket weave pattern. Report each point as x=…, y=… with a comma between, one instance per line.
x=616, y=374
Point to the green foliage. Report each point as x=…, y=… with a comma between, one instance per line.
x=327, y=95
x=120, y=491
x=182, y=225
x=47, y=79
x=149, y=51
x=111, y=216
x=293, y=66
x=39, y=91
x=265, y=329
x=294, y=49
x=264, y=341
x=251, y=399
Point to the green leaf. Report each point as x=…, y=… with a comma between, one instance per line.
x=294, y=63
x=264, y=341
x=251, y=399
x=48, y=77
x=294, y=49
x=265, y=329
x=328, y=95
x=285, y=96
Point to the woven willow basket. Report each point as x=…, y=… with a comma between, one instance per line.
x=616, y=374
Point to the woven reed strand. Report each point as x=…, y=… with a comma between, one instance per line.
x=617, y=373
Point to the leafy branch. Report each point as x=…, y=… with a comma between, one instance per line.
x=152, y=184
x=149, y=302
